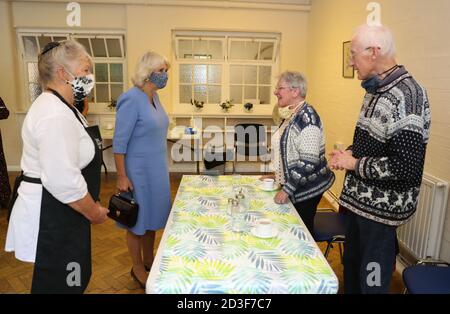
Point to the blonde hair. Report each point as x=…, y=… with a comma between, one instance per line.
x=147, y=64
x=64, y=53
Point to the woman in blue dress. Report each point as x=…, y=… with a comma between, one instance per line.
x=140, y=153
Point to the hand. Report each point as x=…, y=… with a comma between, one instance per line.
x=335, y=153
x=100, y=217
x=281, y=198
x=342, y=160
x=124, y=184
x=267, y=176
x=332, y=162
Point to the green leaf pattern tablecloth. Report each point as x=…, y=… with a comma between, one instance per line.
x=199, y=253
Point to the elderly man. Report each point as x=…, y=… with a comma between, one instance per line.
x=385, y=162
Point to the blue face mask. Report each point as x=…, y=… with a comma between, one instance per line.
x=372, y=84
x=159, y=79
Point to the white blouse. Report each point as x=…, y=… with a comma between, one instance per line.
x=55, y=149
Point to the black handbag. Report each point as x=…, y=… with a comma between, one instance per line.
x=123, y=210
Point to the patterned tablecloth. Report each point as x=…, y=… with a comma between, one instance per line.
x=199, y=252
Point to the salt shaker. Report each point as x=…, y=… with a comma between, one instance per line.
x=237, y=217
x=243, y=202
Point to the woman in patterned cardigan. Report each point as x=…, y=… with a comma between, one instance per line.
x=298, y=145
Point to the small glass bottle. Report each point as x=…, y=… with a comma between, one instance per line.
x=230, y=204
x=237, y=217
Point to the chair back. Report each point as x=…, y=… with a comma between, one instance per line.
x=250, y=139
x=427, y=277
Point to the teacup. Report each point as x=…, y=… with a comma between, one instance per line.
x=268, y=184
x=264, y=227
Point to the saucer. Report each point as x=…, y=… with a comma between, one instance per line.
x=275, y=187
x=272, y=234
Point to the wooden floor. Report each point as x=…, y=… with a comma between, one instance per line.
x=111, y=263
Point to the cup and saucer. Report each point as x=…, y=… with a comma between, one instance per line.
x=268, y=185
x=264, y=229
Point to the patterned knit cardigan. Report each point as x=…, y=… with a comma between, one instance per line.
x=389, y=142
x=302, y=149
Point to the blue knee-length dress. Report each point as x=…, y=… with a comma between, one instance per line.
x=140, y=133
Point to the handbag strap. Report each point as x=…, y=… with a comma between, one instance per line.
x=132, y=196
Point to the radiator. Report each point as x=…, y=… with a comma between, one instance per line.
x=421, y=237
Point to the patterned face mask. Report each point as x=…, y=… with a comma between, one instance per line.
x=159, y=79
x=285, y=112
x=81, y=86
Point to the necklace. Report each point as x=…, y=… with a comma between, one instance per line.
x=390, y=70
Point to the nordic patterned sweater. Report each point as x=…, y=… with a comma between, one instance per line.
x=302, y=150
x=389, y=142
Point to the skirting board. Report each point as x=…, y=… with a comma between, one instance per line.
x=14, y=168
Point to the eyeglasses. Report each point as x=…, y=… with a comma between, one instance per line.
x=278, y=88
x=353, y=54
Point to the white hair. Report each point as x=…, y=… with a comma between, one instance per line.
x=66, y=53
x=376, y=36
x=147, y=64
x=295, y=80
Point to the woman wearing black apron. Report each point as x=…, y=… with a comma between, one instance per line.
x=59, y=242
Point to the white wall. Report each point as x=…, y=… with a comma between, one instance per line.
x=421, y=31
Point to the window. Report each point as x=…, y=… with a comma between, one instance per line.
x=214, y=67
x=201, y=82
x=107, y=52
x=200, y=69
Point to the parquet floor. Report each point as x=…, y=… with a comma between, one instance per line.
x=111, y=263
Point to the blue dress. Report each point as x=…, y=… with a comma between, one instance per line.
x=140, y=133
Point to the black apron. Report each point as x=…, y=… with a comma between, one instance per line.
x=63, y=253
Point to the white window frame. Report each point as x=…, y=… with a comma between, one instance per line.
x=226, y=37
x=79, y=34
x=211, y=38
x=194, y=61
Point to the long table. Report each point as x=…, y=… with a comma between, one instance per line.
x=200, y=253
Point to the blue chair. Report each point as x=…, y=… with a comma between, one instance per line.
x=330, y=227
x=427, y=277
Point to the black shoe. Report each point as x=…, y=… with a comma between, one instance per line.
x=148, y=268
